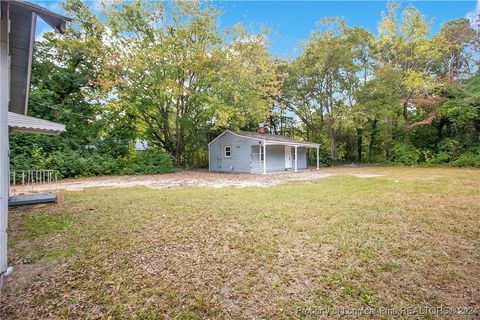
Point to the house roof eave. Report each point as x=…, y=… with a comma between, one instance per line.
x=268, y=141
x=235, y=134
x=293, y=144
x=21, y=123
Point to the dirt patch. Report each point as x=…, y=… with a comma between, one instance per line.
x=194, y=178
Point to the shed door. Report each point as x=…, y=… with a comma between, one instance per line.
x=288, y=157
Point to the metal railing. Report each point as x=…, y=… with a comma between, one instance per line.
x=31, y=178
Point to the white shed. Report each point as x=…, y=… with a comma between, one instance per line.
x=254, y=152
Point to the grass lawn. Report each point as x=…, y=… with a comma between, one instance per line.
x=410, y=238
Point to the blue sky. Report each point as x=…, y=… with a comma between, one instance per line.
x=291, y=22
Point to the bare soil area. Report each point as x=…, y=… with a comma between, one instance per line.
x=198, y=178
x=181, y=179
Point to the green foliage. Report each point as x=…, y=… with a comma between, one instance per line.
x=86, y=164
x=167, y=73
x=405, y=154
x=469, y=159
x=176, y=73
x=146, y=162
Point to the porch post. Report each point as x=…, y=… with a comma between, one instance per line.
x=264, y=157
x=318, y=158
x=296, y=156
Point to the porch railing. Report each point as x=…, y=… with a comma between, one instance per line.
x=31, y=178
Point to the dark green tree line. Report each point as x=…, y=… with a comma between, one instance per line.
x=166, y=73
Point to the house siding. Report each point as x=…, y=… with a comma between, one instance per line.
x=302, y=158
x=240, y=153
x=275, y=158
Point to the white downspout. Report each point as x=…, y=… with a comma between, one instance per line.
x=318, y=158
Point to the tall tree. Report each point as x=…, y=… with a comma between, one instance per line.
x=404, y=47
x=176, y=72
x=334, y=65
x=460, y=57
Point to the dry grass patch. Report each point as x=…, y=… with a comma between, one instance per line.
x=408, y=238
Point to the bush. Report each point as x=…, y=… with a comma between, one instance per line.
x=148, y=162
x=440, y=158
x=471, y=159
x=405, y=154
x=449, y=147
x=82, y=164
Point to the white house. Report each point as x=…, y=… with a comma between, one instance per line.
x=17, y=35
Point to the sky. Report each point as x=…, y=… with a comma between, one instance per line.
x=291, y=22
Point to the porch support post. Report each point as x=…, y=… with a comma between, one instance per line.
x=296, y=157
x=264, y=157
x=318, y=158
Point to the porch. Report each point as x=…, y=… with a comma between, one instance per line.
x=277, y=156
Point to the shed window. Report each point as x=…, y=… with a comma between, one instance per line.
x=228, y=151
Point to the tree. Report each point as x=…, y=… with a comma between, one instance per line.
x=66, y=88
x=334, y=65
x=172, y=69
x=462, y=42
x=403, y=47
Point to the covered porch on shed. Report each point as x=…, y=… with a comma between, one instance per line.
x=276, y=156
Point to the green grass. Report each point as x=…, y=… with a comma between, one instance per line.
x=409, y=238
x=44, y=224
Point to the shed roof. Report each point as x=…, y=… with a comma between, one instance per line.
x=272, y=138
x=21, y=123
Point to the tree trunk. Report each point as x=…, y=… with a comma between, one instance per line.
x=359, y=144
x=373, y=135
x=179, y=144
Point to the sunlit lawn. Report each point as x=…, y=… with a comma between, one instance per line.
x=410, y=238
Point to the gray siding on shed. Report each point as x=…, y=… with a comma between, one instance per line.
x=302, y=158
x=245, y=158
x=275, y=158
x=240, y=157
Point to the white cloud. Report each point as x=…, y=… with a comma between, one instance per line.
x=474, y=16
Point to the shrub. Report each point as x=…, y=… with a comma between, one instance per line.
x=405, y=154
x=426, y=156
x=471, y=159
x=449, y=147
x=441, y=157
x=86, y=164
x=149, y=162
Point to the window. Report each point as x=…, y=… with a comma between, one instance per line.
x=262, y=156
x=228, y=151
